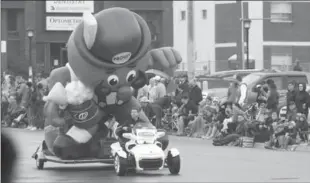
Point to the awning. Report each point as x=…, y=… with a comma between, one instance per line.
x=234, y=57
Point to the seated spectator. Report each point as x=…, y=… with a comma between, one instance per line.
x=13, y=111
x=277, y=139
x=233, y=112
x=302, y=127
x=265, y=129
x=204, y=118
x=243, y=128
x=291, y=111
x=186, y=113
x=156, y=109
x=212, y=126
x=290, y=135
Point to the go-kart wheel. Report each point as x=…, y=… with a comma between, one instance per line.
x=120, y=165
x=173, y=163
x=40, y=164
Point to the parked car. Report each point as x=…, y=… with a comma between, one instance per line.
x=281, y=80
x=217, y=80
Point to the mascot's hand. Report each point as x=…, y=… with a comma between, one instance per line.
x=165, y=59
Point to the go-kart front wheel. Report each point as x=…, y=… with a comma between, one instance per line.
x=173, y=163
x=120, y=165
x=39, y=164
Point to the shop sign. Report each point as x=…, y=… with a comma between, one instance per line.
x=60, y=23
x=69, y=6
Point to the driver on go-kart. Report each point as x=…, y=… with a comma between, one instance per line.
x=127, y=127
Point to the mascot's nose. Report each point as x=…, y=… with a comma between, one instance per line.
x=124, y=93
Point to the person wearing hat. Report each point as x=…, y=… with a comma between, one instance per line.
x=160, y=88
x=109, y=52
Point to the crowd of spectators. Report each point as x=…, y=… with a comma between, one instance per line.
x=22, y=100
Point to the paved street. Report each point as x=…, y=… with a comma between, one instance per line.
x=201, y=162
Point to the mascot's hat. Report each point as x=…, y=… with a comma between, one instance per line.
x=111, y=38
x=57, y=94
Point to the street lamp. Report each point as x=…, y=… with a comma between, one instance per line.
x=247, y=25
x=30, y=34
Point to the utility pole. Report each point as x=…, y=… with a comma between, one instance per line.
x=242, y=36
x=190, y=41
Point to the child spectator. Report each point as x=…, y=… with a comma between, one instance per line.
x=292, y=111
x=302, y=127
x=290, y=135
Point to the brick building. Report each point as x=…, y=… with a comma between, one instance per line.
x=274, y=43
x=53, y=22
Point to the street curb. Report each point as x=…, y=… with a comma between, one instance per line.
x=304, y=148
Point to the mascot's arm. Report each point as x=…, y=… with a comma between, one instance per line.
x=165, y=59
x=61, y=75
x=51, y=109
x=52, y=117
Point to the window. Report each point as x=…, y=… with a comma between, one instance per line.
x=12, y=19
x=298, y=79
x=183, y=15
x=278, y=81
x=281, y=12
x=281, y=58
x=204, y=14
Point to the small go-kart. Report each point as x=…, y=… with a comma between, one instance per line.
x=143, y=151
x=42, y=155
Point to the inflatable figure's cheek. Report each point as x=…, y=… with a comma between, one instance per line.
x=140, y=81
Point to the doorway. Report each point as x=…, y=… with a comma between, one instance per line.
x=58, y=53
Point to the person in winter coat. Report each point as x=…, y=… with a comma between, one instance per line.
x=302, y=127
x=195, y=93
x=302, y=99
x=273, y=98
x=291, y=94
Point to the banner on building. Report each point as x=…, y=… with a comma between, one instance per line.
x=61, y=23
x=69, y=6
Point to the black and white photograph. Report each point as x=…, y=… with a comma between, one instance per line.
x=155, y=91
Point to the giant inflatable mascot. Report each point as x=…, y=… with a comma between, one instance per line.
x=108, y=55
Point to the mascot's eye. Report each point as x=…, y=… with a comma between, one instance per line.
x=131, y=76
x=113, y=80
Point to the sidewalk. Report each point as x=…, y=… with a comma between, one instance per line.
x=300, y=148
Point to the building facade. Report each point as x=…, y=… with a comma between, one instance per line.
x=278, y=36
x=53, y=22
